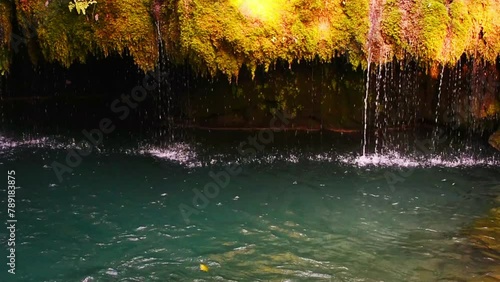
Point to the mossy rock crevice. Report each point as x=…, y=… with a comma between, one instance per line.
x=223, y=36
x=495, y=140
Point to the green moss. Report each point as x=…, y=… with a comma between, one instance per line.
x=302, y=29
x=108, y=27
x=64, y=37
x=489, y=36
x=433, y=29
x=391, y=23
x=460, y=30
x=127, y=26
x=5, y=35
x=221, y=36
x=358, y=22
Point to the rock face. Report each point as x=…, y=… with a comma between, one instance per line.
x=330, y=44
x=5, y=35
x=495, y=140
x=222, y=36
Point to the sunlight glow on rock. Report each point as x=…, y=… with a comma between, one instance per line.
x=266, y=11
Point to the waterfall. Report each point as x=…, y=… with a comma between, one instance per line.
x=365, y=118
x=386, y=98
x=377, y=108
x=439, y=96
x=2, y=117
x=5, y=119
x=163, y=98
x=435, y=137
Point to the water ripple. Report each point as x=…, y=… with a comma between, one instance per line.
x=395, y=159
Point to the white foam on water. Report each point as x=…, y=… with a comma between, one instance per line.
x=292, y=158
x=323, y=157
x=8, y=144
x=463, y=161
x=385, y=160
x=186, y=155
x=395, y=159
x=180, y=153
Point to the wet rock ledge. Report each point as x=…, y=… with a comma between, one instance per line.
x=495, y=140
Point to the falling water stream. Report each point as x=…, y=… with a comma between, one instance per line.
x=438, y=104
x=2, y=117
x=164, y=94
x=377, y=109
x=365, y=104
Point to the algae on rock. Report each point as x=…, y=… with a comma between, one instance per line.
x=109, y=27
x=5, y=35
x=495, y=140
x=222, y=36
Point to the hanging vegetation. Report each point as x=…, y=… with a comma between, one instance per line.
x=5, y=36
x=224, y=35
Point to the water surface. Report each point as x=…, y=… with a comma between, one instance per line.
x=306, y=208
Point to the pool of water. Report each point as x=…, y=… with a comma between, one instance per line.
x=315, y=211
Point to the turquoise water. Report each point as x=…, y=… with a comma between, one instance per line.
x=310, y=212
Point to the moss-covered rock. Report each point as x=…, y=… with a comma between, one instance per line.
x=107, y=27
x=432, y=29
x=224, y=35
x=5, y=35
x=495, y=140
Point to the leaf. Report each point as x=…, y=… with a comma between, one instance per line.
x=203, y=267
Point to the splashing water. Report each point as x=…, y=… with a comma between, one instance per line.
x=399, y=160
x=180, y=153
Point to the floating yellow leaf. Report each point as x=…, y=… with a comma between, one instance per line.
x=203, y=267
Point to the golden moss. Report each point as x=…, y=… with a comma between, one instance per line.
x=391, y=22
x=357, y=12
x=432, y=29
x=488, y=37
x=5, y=35
x=63, y=36
x=460, y=31
x=108, y=27
x=127, y=26
x=224, y=35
